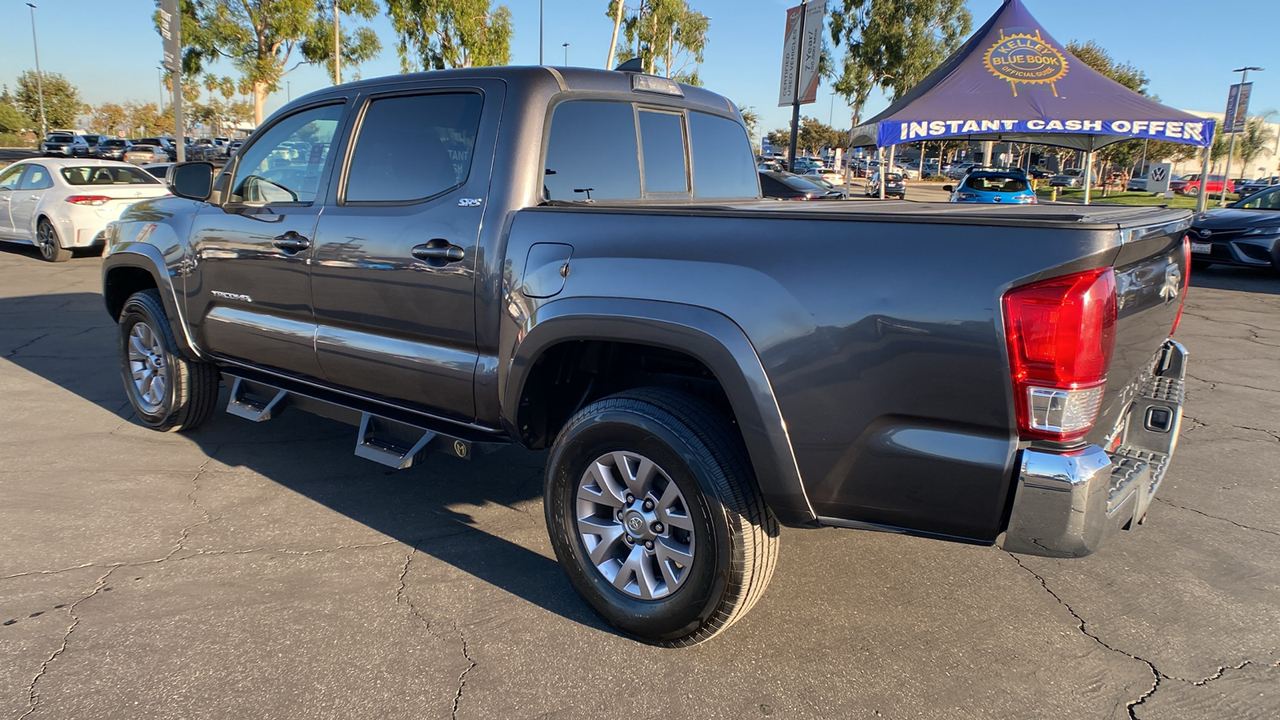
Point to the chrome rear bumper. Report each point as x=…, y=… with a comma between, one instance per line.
x=1066, y=504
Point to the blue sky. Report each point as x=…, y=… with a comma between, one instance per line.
x=110, y=51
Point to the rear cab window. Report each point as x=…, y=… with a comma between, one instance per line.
x=601, y=150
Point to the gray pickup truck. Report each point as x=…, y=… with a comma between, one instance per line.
x=580, y=260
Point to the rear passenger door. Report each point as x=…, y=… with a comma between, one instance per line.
x=393, y=276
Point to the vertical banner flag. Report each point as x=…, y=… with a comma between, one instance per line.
x=801, y=51
x=1236, y=118
x=168, y=25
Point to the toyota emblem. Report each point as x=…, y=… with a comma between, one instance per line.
x=635, y=524
x=1205, y=233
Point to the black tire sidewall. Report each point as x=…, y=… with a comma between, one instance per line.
x=585, y=439
x=137, y=310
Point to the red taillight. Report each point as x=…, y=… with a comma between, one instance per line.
x=1186, y=281
x=1061, y=333
x=88, y=199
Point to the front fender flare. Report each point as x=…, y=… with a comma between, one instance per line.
x=712, y=338
x=148, y=257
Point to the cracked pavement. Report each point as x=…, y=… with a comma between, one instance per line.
x=264, y=571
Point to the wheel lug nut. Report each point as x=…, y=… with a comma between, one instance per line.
x=657, y=527
x=648, y=544
x=631, y=498
x=648, y=504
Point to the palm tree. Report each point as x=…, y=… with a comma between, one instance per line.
x=1256, y=140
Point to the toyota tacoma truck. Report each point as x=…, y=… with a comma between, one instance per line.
x=581, y=260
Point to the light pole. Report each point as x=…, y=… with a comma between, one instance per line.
x=1226, y=121
x=566, y=54
x=288, y=91
x=539, y=32
x=160, y=85
x=44, y=126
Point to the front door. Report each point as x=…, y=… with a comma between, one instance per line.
x=393, y=280
x=249, y=293
x=9, y=178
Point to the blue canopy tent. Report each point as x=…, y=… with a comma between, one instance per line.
x=1012, y=81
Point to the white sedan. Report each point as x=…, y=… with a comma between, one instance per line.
x=835, y=177
x=58, y=204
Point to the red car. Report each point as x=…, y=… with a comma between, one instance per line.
x=1192, y=185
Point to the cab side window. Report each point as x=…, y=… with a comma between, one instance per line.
x=37, y=178
x=285, y=164
x=413, y=147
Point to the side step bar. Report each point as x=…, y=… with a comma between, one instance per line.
x=395, y=442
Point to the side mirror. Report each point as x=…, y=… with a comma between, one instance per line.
x=948, y=188
x=192, y=180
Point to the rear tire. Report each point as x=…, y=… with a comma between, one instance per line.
x=1192, y=190
x=654, y=514
x=168, y=392
x=49, y=244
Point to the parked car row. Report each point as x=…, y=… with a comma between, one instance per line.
x=105, y=147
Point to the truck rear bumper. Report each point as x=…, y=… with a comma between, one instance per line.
x=1067, y=503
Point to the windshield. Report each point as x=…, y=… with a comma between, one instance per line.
x=108, y=175
x=113, y=143
x=1265, y=200
x=61, y=138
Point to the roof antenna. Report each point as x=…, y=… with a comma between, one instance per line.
x=635, y=64
x=585, y=190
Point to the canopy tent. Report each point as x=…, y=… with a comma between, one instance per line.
x=1013, y=81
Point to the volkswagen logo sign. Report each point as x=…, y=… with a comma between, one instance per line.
x=1205, y=233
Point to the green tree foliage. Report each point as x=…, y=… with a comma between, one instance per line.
x=62, y=103
x=668, y=36
x=816, y=135
x=267, y=39
x=780, y=138
x=1256, y=141
x=12, y=119
x=439, y=34
x=892, y=44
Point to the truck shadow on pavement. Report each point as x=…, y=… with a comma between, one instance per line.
x=436, y=508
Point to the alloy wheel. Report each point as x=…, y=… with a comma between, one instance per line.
x=635, y=525
x=148, y=367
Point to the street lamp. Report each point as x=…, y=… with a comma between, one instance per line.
x=44, y=126
x=566, y=54
x=160, y=85
x=1226, y=121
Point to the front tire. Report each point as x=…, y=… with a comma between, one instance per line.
x=655, y=516
x=168, y=392
x=49, y=244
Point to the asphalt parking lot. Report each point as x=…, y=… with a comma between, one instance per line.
x=252, y=570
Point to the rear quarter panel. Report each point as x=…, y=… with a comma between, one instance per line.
x=882, y=341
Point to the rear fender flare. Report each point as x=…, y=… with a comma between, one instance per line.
x=712, y=338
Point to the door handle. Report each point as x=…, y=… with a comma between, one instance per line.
x=291, y=242
x=438, y=252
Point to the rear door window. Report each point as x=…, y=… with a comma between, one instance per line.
x=390, y=164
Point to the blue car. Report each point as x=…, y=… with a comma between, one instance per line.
x=993, y=186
